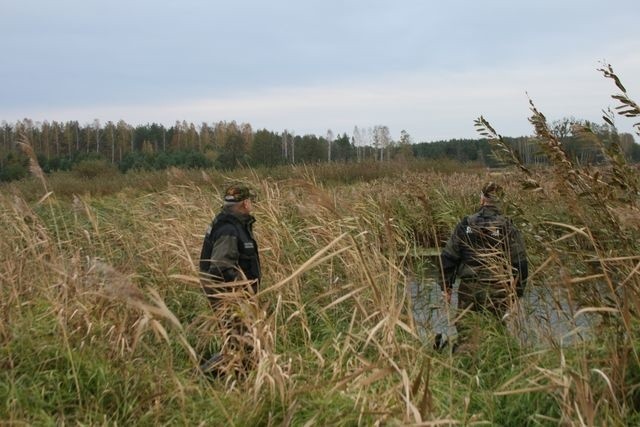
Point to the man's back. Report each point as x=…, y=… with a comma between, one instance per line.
x=486, y=249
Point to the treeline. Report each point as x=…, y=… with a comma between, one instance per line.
x=583, y=142
x=223, y=145
x=226, y=145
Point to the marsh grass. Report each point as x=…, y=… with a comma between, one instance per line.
x=104, y=322
x=590, y=246
x=104, y=319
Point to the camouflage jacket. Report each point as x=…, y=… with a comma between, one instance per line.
x=485, y=247
x=229, y=249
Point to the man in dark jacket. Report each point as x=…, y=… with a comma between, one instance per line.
x=487, y=252
x=230, y=265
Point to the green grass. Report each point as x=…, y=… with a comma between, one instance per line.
x=101, y=305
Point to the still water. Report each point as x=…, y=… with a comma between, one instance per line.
x=544, y=317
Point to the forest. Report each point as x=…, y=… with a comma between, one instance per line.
x=91, y=148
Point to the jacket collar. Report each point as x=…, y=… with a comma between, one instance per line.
x=489, y=210
x=230, y=215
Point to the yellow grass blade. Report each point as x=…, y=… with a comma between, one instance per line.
x=304, y=267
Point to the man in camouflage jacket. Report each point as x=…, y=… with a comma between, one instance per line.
x=487, y=252
x=229, y=250
x=230, y=269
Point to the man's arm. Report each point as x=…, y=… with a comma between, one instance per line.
x=523, y=273
x=449, y=270
x=519, y=260
x=450, y=260
x=224, y=259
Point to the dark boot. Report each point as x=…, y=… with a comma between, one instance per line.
x=440, y=342
x=212, y=366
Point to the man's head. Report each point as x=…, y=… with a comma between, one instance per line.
x=491, y=193
x=239, y=197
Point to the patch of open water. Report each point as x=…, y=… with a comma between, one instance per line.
x=544, y=316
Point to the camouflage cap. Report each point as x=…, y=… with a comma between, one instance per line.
x=492, y=191
x=238, y=193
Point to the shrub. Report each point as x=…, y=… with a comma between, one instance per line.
x=94, y=168
x=12, y=172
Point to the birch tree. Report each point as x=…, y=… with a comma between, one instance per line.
x=329, y=143
x=381, y=139
x=96, y=125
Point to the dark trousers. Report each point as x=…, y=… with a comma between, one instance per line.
x=483, y=297
x=226, y=303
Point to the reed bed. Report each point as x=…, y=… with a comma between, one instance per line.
x=104, y=321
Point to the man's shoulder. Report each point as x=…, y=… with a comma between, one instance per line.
x=488, y=217
x=224, y=223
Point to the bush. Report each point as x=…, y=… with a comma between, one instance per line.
x=13, y=172
x=93, y=168
x=14, y=166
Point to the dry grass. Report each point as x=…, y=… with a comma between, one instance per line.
x=103, y=319
x=332, y=322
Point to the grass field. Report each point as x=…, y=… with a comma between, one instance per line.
x=104, y=320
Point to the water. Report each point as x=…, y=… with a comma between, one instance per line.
x=545, y=317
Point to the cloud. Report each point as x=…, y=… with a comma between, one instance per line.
x=429, y=104
x=426, y=68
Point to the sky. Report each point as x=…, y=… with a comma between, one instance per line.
x=428, y=68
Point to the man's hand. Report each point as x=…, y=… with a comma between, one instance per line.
x=446, y=294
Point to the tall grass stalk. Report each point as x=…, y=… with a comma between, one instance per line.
x=104, y=321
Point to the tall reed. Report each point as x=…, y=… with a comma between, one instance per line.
x=103, y=318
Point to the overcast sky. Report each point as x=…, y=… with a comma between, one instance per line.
x=426, y=67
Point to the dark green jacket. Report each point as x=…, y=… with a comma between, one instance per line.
x=480, y=243
x=230, y=249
